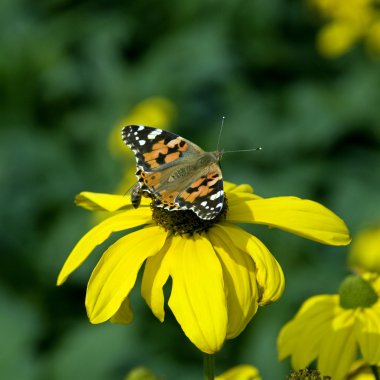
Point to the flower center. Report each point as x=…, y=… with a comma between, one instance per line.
x=181, y=222
x=356, y=292
x=306, y=373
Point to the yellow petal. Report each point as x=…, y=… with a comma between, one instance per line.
x=240, y=372
x=235, y=199
x=299, y=216
x=197, y=299
x=238, y=194
x=232, y=187
x=124, y=314
x=337, y=353
x=155, y=276
x=99, y=234
x=360, y=370
x=365, y=250
x=239, y=280
x=105, y=202
x=115, y=274
x=301, y=337
x=368, y=334
x=269, y=275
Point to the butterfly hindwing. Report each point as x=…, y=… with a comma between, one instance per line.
x=205, y=196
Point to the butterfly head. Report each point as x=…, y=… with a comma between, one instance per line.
x=219, y=154
x=215, y=156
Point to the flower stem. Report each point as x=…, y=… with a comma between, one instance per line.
x=375, y=372
x=208, y=367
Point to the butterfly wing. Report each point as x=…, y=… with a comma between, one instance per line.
x=205, y=195
x=156, y=149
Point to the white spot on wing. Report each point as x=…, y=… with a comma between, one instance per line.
x=152, y=135
x=142, y=142
x=216, y=195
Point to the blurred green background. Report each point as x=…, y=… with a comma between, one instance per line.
x=71, y=71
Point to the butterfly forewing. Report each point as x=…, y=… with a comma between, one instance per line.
x=155, y=148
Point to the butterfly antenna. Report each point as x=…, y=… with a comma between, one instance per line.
x=243, y=150
x=220, y=133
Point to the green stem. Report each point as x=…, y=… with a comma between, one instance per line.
x=209, y=367
x=375, y=372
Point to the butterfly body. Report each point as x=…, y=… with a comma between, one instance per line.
x=176, y=173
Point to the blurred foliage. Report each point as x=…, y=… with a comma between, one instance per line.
x=72, y=70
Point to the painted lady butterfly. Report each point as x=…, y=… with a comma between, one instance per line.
x=175, y=172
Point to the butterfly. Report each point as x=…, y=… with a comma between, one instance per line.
x=176, y=173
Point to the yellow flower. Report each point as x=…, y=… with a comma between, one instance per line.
x=330, y=328
x=336, y=39
x=348, y=22
x=240, y=372
x=365, y=251
x=219, y=275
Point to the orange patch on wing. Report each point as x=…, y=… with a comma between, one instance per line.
x=200, y=193
x=201, y=190
x=183, y=148
x=198, y=182
x=212, y=182
x=159, y=145
x=151, y=179
x=174, y=142
x=214, y=172
x=172, y=156
x=167, y=198
x=149, y=156
x=153, y=164
x=157, y=149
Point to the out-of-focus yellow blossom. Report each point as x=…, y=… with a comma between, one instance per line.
x=331, y=328
x=365, y=251
x=141, y=373
x=240, y=372
x=373, y=38
x=349, y=21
